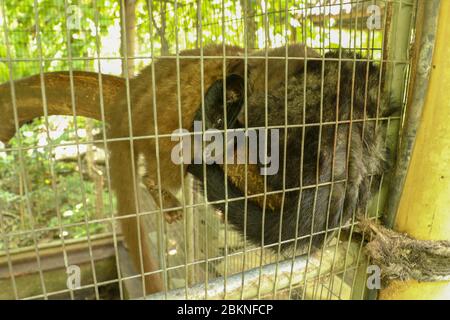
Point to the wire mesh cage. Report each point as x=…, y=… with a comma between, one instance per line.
x=108, y=82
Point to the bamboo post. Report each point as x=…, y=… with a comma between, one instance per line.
x=424, y=208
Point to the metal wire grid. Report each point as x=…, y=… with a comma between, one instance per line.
x=112, y=218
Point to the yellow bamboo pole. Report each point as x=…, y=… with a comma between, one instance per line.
x=424, y=209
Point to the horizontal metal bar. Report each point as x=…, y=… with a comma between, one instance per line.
x=51, y=144
x=195, y=57
x=333, y=261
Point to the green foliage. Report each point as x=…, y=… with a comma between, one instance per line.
x=32, y=198
x=53, y=32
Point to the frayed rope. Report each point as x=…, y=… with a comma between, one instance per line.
x=402, y=257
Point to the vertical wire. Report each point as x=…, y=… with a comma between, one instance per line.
x=299, y=202
x=158, y=173
x=406, y=88
x=369, y=57
x=205, y=185
x=225, y=167
x=329, y=24
x=21, y=159
x=83, y=192
x=322, y=31
x=49, y=146
x=316, y=188
x=283, y=195
x=246, y=145
x=316, y=284
x=362, y=139
x=183, y=187
x=105, y=147
x=310, y=25
x=333, y=158
x=332, y=274
x=180, y=125
x=349, y=143
x=266, y=72
x=198, y=6
x=377, y=115
x=131, y=139
x=194, y=272
x=361, y=42
x=4, y=234
x=357, y=263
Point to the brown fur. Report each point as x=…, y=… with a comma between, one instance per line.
x=142, y=118
x=123, y=154
x=167, y=103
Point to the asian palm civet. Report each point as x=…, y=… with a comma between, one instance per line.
x=331, y=152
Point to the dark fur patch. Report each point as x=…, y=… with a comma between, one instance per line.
x=333, y=165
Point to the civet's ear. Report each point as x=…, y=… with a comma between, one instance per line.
x=214, y=102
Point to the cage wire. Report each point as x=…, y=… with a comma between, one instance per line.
x=57, y=205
